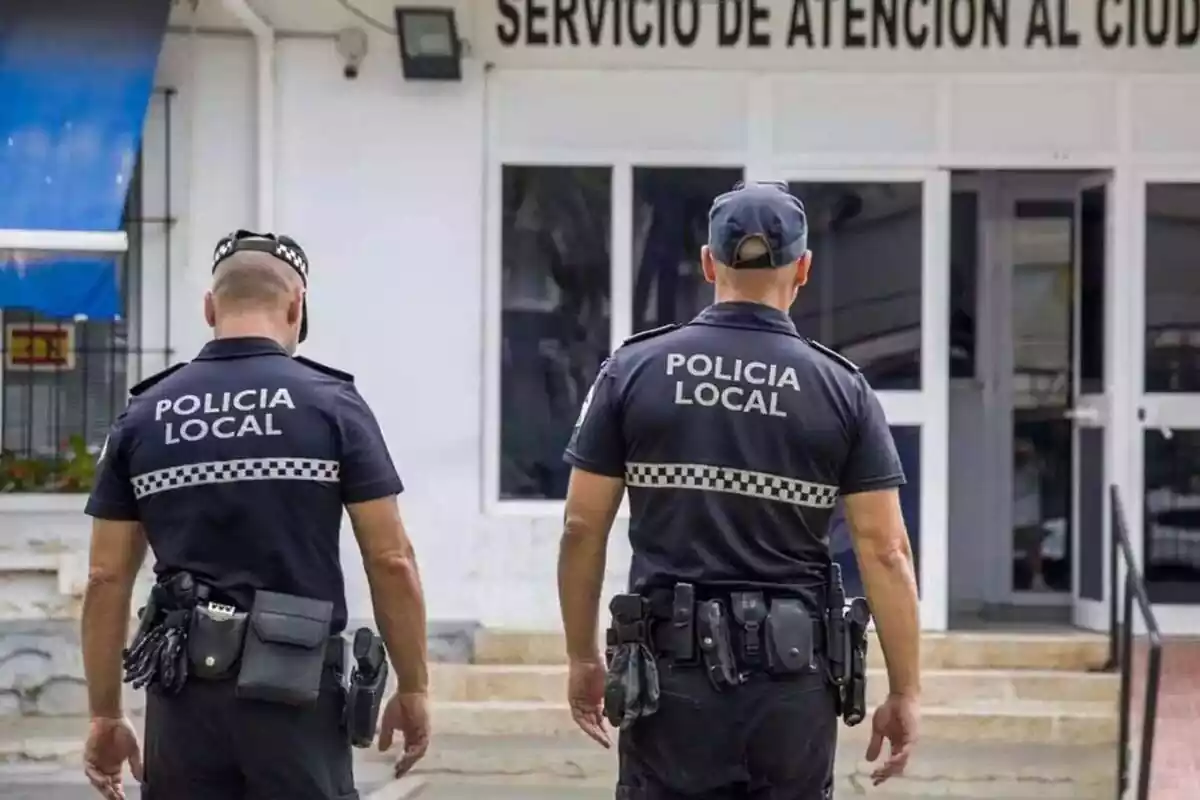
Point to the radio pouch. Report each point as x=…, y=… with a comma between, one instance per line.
x=789, y=639
x=749, y=611
x=284, y=654
x=215, y=638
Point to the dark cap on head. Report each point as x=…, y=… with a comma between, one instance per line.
x=765, y=214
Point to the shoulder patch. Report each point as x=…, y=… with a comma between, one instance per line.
x=833, y=354
x=146, y=383
x=650, y=334
x=324, y=369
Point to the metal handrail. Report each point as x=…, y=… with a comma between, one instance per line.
x=1120, y=652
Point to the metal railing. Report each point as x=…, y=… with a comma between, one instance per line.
x=1120, y=653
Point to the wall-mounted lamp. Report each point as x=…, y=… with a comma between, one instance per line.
x=430, y=49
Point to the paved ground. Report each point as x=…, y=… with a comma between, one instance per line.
x=1176, y=757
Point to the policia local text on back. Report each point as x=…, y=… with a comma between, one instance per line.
x=235, y=469
x=734, y=653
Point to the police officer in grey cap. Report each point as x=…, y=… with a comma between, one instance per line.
x=234, y=470
x=731, y=658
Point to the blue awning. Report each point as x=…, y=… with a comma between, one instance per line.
x=75, y=82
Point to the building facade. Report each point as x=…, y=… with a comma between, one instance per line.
x=1005, y=201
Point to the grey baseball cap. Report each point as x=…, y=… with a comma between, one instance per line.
x=766, y=213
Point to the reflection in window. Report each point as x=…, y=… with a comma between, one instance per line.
x=555, y=264
x=670, y=224
x=863, y=297
x=908, y=446
x=1041, y=503
x=1172, y=286
x=1172, y=464
x=1093, y=224
x=964, y=280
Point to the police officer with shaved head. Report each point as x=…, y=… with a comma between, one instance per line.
x=234, y=469
x=735, y=652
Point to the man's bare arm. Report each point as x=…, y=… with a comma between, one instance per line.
x=117, y=551
x=396, y=594
x=592, y=503
x=885, y=558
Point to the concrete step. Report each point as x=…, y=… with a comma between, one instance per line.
x=1069, y=650
x=937, y=770
x=1016, y=722
x=548, y=683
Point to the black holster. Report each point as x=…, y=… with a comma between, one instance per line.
x=631, y=687
x=716, y=646
x=854, y=701
x=367, y=685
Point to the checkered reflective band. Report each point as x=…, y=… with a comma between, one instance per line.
x=731, y=481
x=242, y=469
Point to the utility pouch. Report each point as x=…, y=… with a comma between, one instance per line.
x=215, y=638
x=683, y=623
x=789, y=638
x=631, y=685
x=284, y=654
x=716, y=649
x=749, y=611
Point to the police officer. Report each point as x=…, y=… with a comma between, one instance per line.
x=735, y=436
x=235, y=468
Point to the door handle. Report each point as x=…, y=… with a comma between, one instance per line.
x=1091, y=415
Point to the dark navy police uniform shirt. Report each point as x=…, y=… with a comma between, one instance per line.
x=735, y=437
x=238, y=465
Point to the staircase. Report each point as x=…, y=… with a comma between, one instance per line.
x=1005, y=716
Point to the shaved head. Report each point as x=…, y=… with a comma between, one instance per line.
x=254, y=280
x=256, y=294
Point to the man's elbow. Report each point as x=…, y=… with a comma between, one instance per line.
x=107, y=579
x=398, y=563
x=889, y=553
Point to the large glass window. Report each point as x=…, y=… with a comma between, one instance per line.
x=555, y=265
x=908, y=446
x=1172, y=531
x=863, y=298
x=1172, y=288
x=670, y=225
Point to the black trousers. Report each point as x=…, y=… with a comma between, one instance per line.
x=206, y=744
x=764, y=740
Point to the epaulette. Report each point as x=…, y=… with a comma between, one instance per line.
x=146, y=383
x=326, y=370
x=835, y=355
x=650, y=334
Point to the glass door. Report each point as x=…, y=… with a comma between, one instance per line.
x=1051, y=376
x=879, y=294
x=1090, y=440
x=1169, y=407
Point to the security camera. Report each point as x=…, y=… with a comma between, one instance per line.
x=352, y=47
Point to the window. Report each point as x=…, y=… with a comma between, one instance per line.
x=670, y=225
x=65, y=381
x=1172, y=285
x=863, y=297
x=1172, y=531
x=964, y=281
x=555, y=309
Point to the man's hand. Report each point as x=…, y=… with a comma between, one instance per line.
x=406, y=713
x=110, y=743
x=585, y=693
x=897, y=720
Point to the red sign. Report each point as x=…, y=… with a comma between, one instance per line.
x=39, y=346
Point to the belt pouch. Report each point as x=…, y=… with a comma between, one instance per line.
x=284, y=654
x=749, y=610
x=789, y=639
x=683, y=623
x=712, y=629
x=215, y=638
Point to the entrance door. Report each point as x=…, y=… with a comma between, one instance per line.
x=1168, y=321
x=1047, y=393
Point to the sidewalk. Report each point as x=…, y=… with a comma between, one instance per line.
x=1176, y=774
